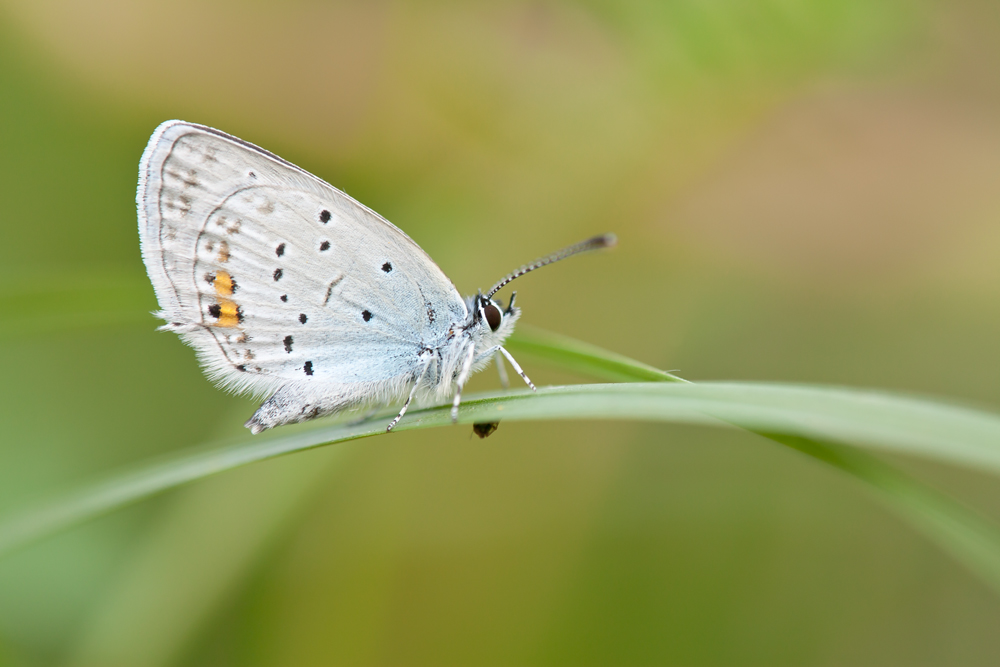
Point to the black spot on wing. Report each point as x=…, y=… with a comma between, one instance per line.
x=302, y=318
x=324, y=216
x=277, y=274
x=308, y=368
x=284, y=298
x=325, y=245
x=280, y=250
x=387, y=267
x=366, y=314
x=215, y=310
x=288, y=344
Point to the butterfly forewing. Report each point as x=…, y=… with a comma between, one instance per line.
x=274, y=275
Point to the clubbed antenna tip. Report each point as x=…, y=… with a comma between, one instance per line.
x=596, y=243
x=604, y=241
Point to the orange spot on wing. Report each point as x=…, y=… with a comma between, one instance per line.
x=229, y=314
x=223, y=283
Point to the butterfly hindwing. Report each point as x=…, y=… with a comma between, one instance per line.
x=273, y=275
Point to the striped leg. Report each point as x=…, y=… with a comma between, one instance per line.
x=423, y=371
x=518, y=369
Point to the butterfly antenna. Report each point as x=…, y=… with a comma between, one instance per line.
x=603, y=241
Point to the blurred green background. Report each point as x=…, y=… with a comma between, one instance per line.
x=803, y=190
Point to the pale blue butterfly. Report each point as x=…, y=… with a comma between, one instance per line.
x=287, y=287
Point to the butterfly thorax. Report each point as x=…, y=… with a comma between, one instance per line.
x=486, y=326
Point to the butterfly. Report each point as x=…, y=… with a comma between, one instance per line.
x=288, y=288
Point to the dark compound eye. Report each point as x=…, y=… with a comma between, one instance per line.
x=493, y=316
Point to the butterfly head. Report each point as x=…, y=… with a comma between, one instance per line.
x=491, y=322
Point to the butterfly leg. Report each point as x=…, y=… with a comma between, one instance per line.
x=517, y=368
x=463, y=377
x=498, y=360
x=423, y=371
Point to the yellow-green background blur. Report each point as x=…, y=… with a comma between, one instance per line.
x=803, y=190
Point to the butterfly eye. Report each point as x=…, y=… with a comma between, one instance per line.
x=493, y=316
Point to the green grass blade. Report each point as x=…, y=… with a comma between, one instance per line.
x=816, y=421
x=578, y=356
x=160, y=475
x=958, y=530
x=896, y=423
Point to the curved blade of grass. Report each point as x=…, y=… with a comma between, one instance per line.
x=959, y=531
x=897, y=423
x=575, y=355
x=798, y=417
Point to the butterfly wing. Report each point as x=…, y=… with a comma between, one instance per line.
x=275, y=276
